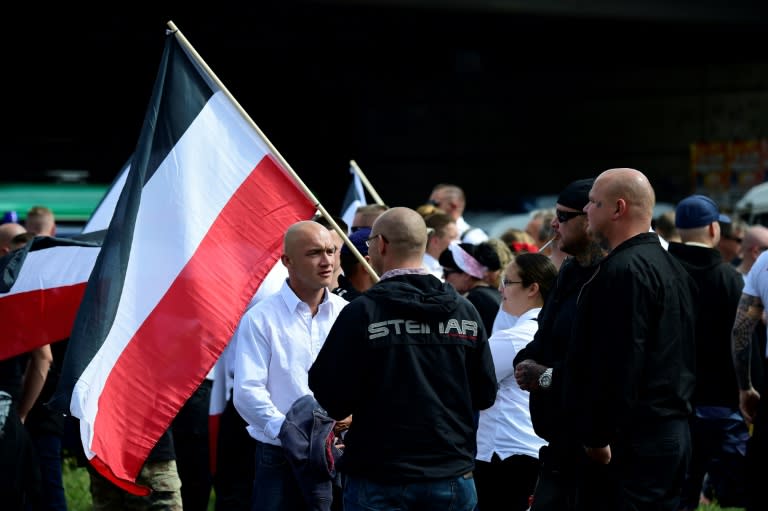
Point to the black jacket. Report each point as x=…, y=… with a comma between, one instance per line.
x=719, y=291
x=410, y=361
x=549, y=348
x=632, y=360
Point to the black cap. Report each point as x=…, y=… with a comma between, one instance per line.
x=576, y=194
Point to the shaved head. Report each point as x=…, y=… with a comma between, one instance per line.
x=398, y=240
x=620, y=206
x=403, y=226
x=633, y=186
x=7, y=233
x=300, y=233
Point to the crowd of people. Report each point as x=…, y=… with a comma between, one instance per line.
x=600, y=358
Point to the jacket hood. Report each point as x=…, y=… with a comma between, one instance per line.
x=415, y=296
x=694, y=257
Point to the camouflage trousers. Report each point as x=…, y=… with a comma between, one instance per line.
x=161, y=476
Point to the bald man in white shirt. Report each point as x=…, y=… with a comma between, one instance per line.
x=277, y=341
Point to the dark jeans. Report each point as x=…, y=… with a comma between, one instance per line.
x=719, y=447
x=48, y=448
x=456, y=494
x=274, y=486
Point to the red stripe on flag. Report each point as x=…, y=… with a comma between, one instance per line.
x=180, y=340
x=128, y=486
x=39, y=317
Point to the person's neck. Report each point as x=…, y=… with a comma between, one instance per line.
x=312, y=297
x=360, y=279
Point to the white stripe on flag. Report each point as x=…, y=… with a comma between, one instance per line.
x=175, y=222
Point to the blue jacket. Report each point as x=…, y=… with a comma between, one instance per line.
x=309, y=444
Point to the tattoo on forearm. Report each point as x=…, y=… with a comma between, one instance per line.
x=748, y=314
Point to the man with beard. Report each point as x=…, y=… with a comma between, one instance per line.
x=565, y=475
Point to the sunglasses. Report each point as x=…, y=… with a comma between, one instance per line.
x=564, y=216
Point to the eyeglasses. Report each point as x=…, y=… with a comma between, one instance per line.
x=369, y=240
x=564, y=216
x=506, y=282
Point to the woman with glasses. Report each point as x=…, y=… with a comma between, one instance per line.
x=507, y=462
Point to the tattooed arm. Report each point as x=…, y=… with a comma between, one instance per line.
x=748, y=314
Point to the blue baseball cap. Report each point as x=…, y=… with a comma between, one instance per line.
x=697, y=211
x=358, y=239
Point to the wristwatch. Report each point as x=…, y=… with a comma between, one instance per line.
x=545, y=380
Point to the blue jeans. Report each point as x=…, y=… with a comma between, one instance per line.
x=274, y=486
x=456, y=494
x=48, y=447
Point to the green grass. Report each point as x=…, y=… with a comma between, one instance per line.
x=77, y=487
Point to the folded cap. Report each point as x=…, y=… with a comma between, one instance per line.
x=358, y=239
x=697, y=211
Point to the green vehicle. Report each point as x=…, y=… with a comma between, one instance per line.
x=71, y=203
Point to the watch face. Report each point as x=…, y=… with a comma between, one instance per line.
x=545, y=380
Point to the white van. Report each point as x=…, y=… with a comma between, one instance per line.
x=753, y=206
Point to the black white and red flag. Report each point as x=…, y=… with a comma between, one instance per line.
x=196, y=229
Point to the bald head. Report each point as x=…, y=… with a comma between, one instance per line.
x=404, y=236
x=754, y=243
x=300, y=233
x=620, y=206
x=7, y=233
x=634, y=187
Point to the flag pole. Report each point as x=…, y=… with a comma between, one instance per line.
x=368, y=186
x=193, y=53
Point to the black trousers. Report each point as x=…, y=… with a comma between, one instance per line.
x=190, y=440
x=236, y=450
x=505, y=484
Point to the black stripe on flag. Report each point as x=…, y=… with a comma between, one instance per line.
x=179, y=95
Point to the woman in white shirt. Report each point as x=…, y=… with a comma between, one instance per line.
x=507, y=448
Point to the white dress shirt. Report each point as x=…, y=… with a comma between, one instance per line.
x=503, y=320
x=433, y=266
x=276, y=343
x=505, y=428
